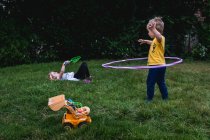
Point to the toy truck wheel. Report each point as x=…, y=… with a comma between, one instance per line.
x=82, y=124
x=68, y=126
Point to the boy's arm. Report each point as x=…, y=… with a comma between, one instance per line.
x=63, y=68
x=157, y=34
x=62, y=71
x=142, y=41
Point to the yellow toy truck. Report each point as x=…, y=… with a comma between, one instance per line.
x=74, y=117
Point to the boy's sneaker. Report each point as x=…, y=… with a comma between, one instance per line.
x=147, y=101
x=165, y=100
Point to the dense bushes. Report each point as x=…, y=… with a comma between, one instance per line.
x=19, y=45
x=14, y=47
x=39, y=31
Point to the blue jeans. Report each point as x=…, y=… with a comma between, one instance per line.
x=156, y=75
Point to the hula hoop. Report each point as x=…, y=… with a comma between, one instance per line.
x=108, y=65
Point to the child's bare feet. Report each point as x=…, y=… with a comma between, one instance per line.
x=88, y=80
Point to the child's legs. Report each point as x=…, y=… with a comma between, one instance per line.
x=161, y=82
x=151, y=80
x=83, y=72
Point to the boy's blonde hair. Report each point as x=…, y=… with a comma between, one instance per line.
x=50, y=75
x=159, y=24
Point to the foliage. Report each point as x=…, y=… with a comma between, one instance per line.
x=199, y=51
x=50, y=30
x=204, y=39
x=14, y=47
x=126, y=44
x=19, y=45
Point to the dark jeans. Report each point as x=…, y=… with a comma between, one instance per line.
x=83, y=72
x=156, y=75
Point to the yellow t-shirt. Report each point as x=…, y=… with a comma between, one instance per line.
x=156, y=52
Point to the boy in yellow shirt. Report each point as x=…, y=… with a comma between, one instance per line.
x=156, y=57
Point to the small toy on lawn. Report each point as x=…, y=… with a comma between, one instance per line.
x=72, y=60
x=76, y=104
x=74, y=117
x=75, y=59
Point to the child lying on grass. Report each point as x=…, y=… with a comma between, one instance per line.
x=81, y=74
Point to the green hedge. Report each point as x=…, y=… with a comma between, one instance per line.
x=40, y=31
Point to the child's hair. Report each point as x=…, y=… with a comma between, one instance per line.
x=50, y=75
x=159, y=24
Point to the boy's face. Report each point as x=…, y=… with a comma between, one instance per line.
x=151, y=34
x=53, y=75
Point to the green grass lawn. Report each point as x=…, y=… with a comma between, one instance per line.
x=116, y=100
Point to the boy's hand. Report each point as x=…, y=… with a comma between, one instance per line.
x=66, y=62
x=141, y=41
x=151, y=25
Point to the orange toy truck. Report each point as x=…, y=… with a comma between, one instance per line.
x=74, y=117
